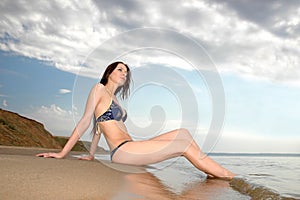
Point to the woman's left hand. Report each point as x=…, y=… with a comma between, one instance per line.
x=51, y=155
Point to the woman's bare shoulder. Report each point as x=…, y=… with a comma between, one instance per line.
x=99, y=85
x=98, y=89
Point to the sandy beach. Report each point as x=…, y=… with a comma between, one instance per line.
x=25, y=176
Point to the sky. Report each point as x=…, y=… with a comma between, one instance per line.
x=228, y=71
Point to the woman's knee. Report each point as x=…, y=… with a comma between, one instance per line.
x=184, y=134
x=188, y=138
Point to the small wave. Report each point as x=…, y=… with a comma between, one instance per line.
x=256, y=191
x=264, y=175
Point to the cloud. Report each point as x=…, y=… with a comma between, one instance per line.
x=53, y=32
x=253, y=45
x=64, y=91
x=4, y=103
x=57, y=120
x=279, y=17
x=252, y=38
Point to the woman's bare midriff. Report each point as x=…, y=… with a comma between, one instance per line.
x=115, y=132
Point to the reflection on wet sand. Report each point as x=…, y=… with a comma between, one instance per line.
x=170, y=180
x=148, y=186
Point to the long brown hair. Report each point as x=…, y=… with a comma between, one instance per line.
x=124, y=90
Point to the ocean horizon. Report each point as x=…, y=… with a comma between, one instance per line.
x=254, y=154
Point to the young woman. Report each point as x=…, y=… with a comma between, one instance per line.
x=110, y=116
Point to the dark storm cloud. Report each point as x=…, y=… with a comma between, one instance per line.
x=277, y=16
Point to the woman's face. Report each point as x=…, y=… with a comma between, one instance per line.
x=119, y=75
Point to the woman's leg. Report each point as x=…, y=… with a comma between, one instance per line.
x=169, y=145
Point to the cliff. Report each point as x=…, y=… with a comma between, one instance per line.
x=16, y=130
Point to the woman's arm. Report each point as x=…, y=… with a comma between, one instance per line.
x=93, y=148
x=82, y=125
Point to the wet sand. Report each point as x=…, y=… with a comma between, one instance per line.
x=25, y=176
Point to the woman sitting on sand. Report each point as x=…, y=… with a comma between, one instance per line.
x=103, y=104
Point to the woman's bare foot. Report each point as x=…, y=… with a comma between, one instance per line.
x=226, y=178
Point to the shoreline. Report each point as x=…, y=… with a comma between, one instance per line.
x=25, y=176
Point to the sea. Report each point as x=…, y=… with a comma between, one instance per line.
x=264, y=176
x=260, y=176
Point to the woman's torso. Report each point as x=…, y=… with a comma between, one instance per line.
x=114, y=130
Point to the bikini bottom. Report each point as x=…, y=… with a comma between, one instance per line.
x=115, y=149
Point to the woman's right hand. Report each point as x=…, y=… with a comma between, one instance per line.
x=89, y=157
x=51, y=155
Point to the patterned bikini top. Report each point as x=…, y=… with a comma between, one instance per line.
x=114, y=112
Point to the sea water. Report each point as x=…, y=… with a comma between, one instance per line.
x=260, y=176
x=265, y=176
